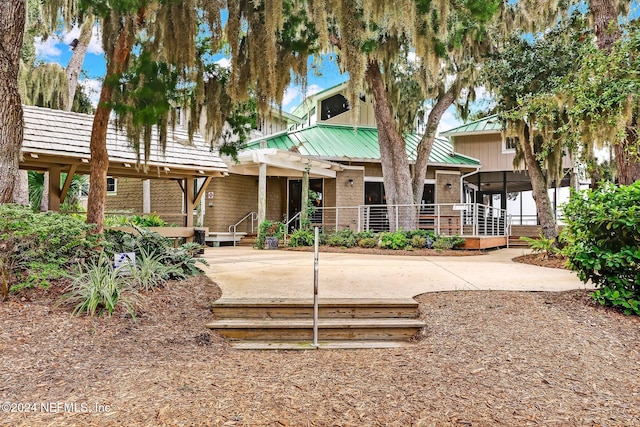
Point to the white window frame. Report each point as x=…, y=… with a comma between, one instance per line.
x=507, y=150
x=115, y=186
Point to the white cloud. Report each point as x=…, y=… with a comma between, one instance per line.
x=92, y=88
x=47, y=48
x=313, y=89
x=289, y=96
x=224, y=62
x=95, y=45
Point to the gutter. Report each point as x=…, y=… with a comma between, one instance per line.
x=462, y=181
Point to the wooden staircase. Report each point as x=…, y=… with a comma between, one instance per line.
x=343, y=323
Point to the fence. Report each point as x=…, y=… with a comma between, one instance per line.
x=463, y=219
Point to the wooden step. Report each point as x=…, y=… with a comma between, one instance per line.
x=327, y=308
x=323, y=344
x=328, y=329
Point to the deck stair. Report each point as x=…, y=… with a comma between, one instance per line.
x=343, y=323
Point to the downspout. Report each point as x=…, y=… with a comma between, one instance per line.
x=462, y=181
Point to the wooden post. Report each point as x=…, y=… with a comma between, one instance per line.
x=189, y=201
x=54, y=187
x=146, y=196
x=262, y=190
x=305, y=197
x=67, y=183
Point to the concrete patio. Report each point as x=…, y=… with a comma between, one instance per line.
x=243, y=272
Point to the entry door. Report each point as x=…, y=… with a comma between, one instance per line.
x=295, y=199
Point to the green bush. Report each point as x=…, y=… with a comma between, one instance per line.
x=302, y=237
x=36, y=248
x=148, y=220
x=543, y=245
x=368, y=242
x=447, y=242
x=267, y=229
x=396, y=240
x=149, y=271
x=150, y=242
x=98, y=288
x=418, y=241
x=364, y=235
x=342, y=238
x=603, y=239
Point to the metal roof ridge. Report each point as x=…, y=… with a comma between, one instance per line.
x=487, y=118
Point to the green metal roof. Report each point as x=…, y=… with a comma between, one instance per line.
x=342, y=143
x=489, y=124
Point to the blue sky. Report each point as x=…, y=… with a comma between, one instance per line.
x=56, y=49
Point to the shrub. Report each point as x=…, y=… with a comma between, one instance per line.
x=268, y=228
x=396, y=240
x=149, y=220
x=602, y=232
x=150, y=242
x=543, y=245
x=38, y=247
x=343, y=238
x=98, y=288
x=418, y=241
x=447, y=242
x=368, y=242
x=364, y=235
x=150, y=272
x=302, y=237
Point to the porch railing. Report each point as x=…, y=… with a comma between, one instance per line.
x=253, y=216
x=463, y=219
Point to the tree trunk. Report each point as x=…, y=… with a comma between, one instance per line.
x=627, y=161
x=77, y=59
x=396, y=174
x=539, y=187
x=98, y=145
x=607, y=31
x=426, y=143
x=12, y=22
x=605, y=19
x=21, y=189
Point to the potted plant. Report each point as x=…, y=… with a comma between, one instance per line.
x=269, y=235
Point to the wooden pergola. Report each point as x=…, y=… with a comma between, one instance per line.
x=58, y=141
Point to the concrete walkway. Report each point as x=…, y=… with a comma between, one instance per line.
x=243, y=272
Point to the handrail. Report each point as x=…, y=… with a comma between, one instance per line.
x=234, y=228
x=286, y=227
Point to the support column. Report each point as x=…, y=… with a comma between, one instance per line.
x=305, y=197
x=54, y=188
x=503, y=202
x=262, y=193
x=146, y=196
x=188, y=201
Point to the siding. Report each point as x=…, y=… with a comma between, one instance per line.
x=237, y=195
x=367, y=116
x=128, y=196
x=487, y=149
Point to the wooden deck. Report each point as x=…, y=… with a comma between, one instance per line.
x=484, y=242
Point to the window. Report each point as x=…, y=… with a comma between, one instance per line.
x=333, y=106
x=112, y=185
x=510, y=143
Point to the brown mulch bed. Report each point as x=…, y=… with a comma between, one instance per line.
x=486, y=359
x=543, y=260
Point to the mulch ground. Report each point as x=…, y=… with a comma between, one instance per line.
x=486, y=359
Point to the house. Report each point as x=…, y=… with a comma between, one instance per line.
x=496, y=183
x=342, y=163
